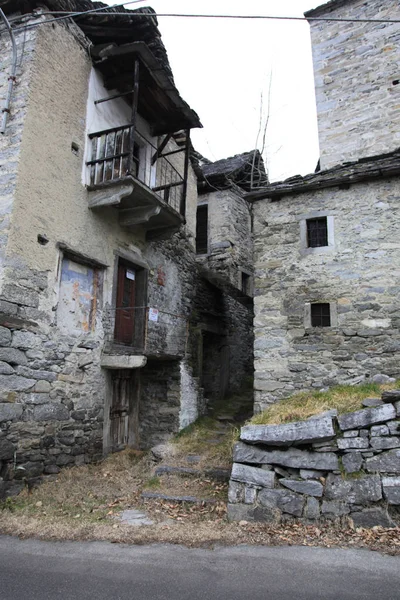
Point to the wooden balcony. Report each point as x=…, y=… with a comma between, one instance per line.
x=130, y=173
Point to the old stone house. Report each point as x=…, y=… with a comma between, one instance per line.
x=106, y=323
x=224, y=256
x=326, y=247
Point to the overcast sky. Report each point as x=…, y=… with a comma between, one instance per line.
x=221, y=67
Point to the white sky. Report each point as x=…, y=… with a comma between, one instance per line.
x=222, y=66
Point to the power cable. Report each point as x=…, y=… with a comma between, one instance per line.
x=137, y=14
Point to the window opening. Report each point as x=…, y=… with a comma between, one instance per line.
x=317, y=232
x=202, y=230
x=245, y=283
x=320, y=315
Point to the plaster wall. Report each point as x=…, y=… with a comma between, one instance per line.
x=10, y=142
x=358, y=275
x=356, y=66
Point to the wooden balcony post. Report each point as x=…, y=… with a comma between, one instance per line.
x=135, y=100
x=185, y=174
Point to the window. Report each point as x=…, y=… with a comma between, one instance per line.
x=202, y=230
x=320, y=315
x=245, y=284
x=78, y=296
x=317, y=232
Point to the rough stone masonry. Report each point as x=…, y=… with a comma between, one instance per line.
x=327, y=467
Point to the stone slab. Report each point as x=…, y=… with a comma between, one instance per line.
x=293, y=457
x=246, y=512
x=352, y=462
x=50, y=412
x=286, y=501
x=253, y=475
x=391, y=396
x=391, y=489
x=363, y=491
x=236, y=492
x=136, y=518
x=189, y=499
x=13, y=356
x=372, y=517
x=300, y=432
x=15, y=383
x=7, y=449
x=310, y=488
x=312, y=509
x=385, y=443
x=10, y=412
x=334, y=508
x=379, y=430
x=371, y=402
x=310, y=474
x=353, y=443
x=122, y=361
x=366, y=417
x=387, y=462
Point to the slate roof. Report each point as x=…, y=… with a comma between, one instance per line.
x=328, y=6
x=365, y=169
x=235, y=170
x=120, y=30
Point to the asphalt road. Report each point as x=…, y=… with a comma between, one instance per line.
x=32, y=570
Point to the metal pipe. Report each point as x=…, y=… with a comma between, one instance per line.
x=12, y=77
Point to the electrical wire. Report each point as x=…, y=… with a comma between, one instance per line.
x=133, y=14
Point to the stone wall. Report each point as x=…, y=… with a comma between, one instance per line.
x=356, y=68
x=327, y=467
x=230, y=244
x=159, y=404
x=357, y=274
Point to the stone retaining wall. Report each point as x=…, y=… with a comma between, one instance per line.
x=327, y=467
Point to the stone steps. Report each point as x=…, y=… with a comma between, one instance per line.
x=178, y=499
x=218, y=473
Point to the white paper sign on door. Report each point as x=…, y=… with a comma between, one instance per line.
x=153, y=314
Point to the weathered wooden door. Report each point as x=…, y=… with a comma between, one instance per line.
x=123, y=410
x=125, y=305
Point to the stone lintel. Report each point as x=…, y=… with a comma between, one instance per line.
x=122, y=361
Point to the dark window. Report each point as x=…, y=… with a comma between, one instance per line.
x=202, y=230
x=317, y=232
x=320, y=315
x=245, y=283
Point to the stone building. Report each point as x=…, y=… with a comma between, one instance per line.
x=326, y=249
x=224, y=255
x=100, y=297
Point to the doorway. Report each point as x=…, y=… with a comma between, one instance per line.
x=124, y=410
x=125, y=305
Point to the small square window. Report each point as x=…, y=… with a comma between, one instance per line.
x=317, y=232
x=320, y=315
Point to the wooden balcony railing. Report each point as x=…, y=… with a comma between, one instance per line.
x=115, y=155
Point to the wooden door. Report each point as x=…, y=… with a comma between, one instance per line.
x=125, y=305
x=122, y=408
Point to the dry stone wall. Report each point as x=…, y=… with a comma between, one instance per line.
x=325, y=468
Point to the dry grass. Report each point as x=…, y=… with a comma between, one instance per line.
x=204, y=530
x=195, y=440
x=343, y=398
